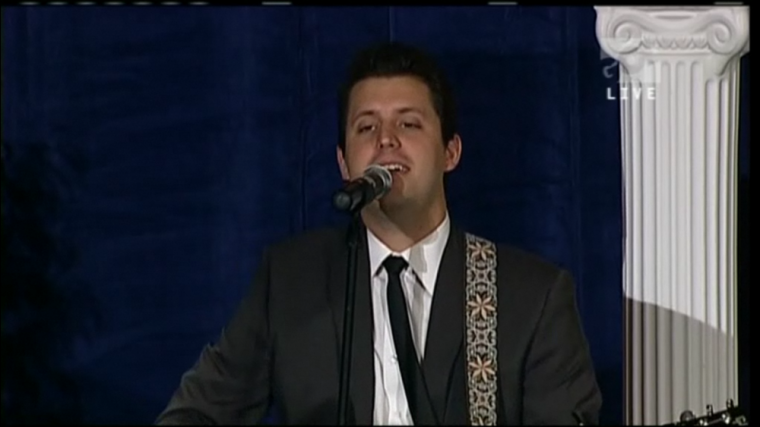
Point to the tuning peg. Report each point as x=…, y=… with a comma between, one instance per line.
x=687, y=416
x=730, y=403
x=709, y=410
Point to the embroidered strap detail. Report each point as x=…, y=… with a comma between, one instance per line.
x=482, y=361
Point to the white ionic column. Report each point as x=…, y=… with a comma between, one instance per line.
x=679, y=99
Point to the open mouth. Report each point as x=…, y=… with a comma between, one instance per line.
x=396, y=167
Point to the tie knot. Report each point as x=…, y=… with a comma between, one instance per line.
x=394, y=265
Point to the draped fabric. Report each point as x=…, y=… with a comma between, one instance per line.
x=151, y=153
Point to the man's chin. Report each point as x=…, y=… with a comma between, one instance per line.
x=395, y=203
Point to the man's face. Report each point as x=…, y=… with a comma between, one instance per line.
x=392, y=121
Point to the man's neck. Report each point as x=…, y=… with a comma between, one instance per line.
x=401, y=231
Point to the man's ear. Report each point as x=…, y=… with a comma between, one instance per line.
x=453, y=153
x=342, y=164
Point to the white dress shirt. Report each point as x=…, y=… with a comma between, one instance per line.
x=418, y=280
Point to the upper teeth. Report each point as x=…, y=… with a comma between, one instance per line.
x=394, y=167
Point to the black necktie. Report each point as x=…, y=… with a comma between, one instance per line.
x=411, y=372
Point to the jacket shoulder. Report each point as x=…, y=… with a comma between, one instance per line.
x=523, y=270
x=522, y=259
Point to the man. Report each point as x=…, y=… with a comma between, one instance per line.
x=436, y=339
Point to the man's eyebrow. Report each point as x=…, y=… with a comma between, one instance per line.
x=411, y=110
x=362, y=113
x=402, y=110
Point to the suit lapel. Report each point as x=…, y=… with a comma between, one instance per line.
x=362, y=372
x=445, y=331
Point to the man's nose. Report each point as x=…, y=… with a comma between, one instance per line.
x=387, y=138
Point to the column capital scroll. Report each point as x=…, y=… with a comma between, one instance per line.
x=712, y=34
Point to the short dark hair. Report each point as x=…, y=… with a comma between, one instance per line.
x=393, y=59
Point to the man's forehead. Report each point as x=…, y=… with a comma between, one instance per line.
x=367, y=111
x=395, y=85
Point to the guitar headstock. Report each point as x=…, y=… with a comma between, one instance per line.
x=731, y=416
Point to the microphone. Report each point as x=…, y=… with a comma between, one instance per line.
x=373, y=184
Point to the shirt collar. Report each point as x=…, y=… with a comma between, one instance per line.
x=424, y=257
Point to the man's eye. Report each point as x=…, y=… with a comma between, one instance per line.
x=365, y=128
x=410, y=125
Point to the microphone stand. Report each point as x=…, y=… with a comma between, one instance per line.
x=348, y=318
x=356, y=194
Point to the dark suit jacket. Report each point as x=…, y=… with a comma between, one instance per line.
x=282, y=346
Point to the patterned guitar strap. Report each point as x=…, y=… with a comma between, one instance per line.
x=481, y=316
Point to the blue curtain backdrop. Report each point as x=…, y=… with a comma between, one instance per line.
x=150, y=153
